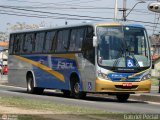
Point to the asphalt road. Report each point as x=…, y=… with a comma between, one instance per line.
x=104, y=103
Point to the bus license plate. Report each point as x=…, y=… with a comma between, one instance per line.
x=127, y=84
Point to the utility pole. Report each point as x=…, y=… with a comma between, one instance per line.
x=115, y=10
x=125, y=14
x=124, y=9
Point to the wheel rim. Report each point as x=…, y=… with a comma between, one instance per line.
x=77, y=88
x=29, y=85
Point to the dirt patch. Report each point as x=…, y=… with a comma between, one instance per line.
x=15, y=110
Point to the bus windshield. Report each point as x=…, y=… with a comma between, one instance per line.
x=123, y=46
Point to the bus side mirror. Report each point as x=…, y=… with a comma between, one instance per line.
x=95, y=42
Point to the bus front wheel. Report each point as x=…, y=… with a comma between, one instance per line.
x=122, y=97
x=75, y=89
x=30, y=86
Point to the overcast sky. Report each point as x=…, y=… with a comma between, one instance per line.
x=56, y=12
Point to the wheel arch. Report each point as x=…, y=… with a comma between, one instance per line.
x=73, y=75
x=31, y=73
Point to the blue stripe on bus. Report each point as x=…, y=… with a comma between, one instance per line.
x=124, y=76
x=64, y=66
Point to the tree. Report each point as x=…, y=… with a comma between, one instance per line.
x=4, y=36
x=24, y=26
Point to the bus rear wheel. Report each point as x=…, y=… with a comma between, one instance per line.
x=122, y=97
x=75, y=89
x=30, y=86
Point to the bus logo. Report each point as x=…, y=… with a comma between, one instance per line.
x=65, y=65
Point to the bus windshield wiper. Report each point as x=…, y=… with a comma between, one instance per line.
x=122, y=52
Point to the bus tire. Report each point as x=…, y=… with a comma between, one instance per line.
x=30, y=86
x=122, y=97
x=75, y=89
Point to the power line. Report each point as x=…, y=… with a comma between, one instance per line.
x=151, y=26
x=68, y=15
x=86, y=11
x=71, y=15
x=53, y=17
x=37, y=16
x=22, y=9
x=55, y=7
x=68, y=6
x=140, y=21
x=42, y=3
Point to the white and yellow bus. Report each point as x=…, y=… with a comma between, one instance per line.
x=112, y=58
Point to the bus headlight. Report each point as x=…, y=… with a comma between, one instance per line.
x=103, y=76
x=148, y=76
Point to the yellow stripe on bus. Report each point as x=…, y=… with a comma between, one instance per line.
x=108, y=24
x=55, y=73
x=70, y=56
x=133, y=75
x=136, y=74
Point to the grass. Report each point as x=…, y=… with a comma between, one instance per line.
x=46, y=105
x=64, y=111
x=59, y=109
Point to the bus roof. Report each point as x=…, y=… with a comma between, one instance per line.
x=79, y=25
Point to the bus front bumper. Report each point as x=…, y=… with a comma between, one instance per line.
x=103, y=85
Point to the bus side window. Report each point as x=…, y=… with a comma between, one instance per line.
x=79, y=38
x=39, y=42
x=72, y=45
x=30, y=42
x=27, y=46
x=24, y=44
x=88, y=49
x=11, y=41
x=76, y=38
x=21, y=43
x=59, y=42
x=48, y=41
x=62, y=41
x=33, y=42
x=18, y=43
x=15, y=44
x=54, y=42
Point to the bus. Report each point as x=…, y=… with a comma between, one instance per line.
x=108, y=57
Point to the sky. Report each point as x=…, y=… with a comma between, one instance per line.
x=56, y=12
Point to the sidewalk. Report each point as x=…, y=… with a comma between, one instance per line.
x=153, y=96
x=3, y=79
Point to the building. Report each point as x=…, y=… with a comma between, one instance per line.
x=155, y=51
x=3, y=45
x=3, y=53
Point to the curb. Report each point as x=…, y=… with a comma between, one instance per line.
x=154, y=96
x=146, y=97
x=3, y=81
